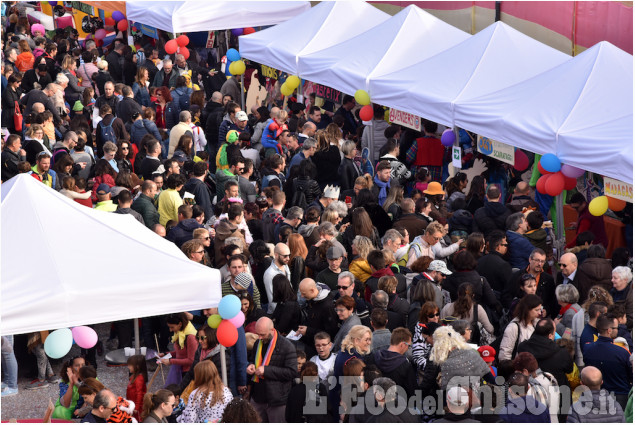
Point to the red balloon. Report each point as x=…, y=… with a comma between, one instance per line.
x=171, y=46
x=122, y=25
x=227, y=334
x=99, y=43
x=542, y=170
x=521, y=162
x=109, y=22
x=366, y=113
x=183, y=51
x=616, y=204
x=248, y=30
x=570, y=183
x=540, y=184
x=182, y=40
x=135, y=29
x=555, y=184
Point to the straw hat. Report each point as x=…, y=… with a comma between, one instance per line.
x=434, y=188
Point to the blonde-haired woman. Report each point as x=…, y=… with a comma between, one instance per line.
x=209, y=398
x=359, y=266
x=73, y=90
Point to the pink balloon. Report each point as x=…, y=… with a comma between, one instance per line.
x=100, y=34
x=84, y=336
x=571, y=171
x=238, y=319
x=521, y=162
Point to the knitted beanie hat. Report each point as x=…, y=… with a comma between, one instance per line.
x=243, y=280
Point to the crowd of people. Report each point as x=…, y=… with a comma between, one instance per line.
x=366, y=282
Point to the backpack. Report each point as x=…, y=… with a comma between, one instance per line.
x=299, y=198
x=108, y=133
x=404, y=259
x=184, y=102
x=268, y=178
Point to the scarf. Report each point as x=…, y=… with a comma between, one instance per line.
x=383, y=272
x=259, y=362
x=565, y=308
x=182, y=334
x=383, y=193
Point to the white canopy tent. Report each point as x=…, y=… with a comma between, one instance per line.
x=66, y=265
x=582, y=111
x=398, y=42
x=321, y=27
x=496, y=57
x=198, y=15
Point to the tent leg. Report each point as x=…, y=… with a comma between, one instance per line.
x=371, y=145
x=300, y=96
x=559, y=230
x=242, y=91
x=137, y=343
x=223, y=365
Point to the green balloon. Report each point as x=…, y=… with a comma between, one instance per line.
x=214, y=320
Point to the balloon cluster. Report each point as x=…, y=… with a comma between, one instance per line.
x=229, y=318
x=292, y=83
x=177, y=45
x=237, y=66
x=363, y=98
x=598, y=206
x=59, y=342
x=243, y=31
x=556, y=177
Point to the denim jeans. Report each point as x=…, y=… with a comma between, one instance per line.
x=44, y=368
x=9, y=363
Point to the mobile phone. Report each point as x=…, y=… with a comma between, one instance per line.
x=348, y=200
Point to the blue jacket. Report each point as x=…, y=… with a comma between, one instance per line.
x=179, y=96
x=520, y=410
x=142, y=127
x=268, y=138
x=239, y=363
x=519, y=250
x=141, y=94
x=614, y=363
x=182, y=232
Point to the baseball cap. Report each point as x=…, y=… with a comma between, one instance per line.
x=439, y=266
x=180, y=156
x=241, y=116
x=457, y=396
x=103, y=189
x=487, y=353
x=335, y=252
x=243, y=280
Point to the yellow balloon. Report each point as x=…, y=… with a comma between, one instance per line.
x=239, y=67
x=286, y=90
x=362, y=97
x=293, y=81
x=599, y=205
x=232, y=68
x=387, y=116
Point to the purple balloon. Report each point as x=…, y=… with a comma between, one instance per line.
x=53, y=3
x=118, y=16
x=238, y=319
x=571, y=171
x=448, y=137
x=237, y=31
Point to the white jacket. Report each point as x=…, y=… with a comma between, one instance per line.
x=510, y=336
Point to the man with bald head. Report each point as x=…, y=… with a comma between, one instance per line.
x=521, y=198
x=320, y=314
x=414, y=223
x=308, y=130
x=568, y=269
x=272, y=368
x=595, y=405
x=279, y=265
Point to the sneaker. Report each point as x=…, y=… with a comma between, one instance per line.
x=4, y=386
x=53, y=379
x=36, y=384
x=9, y=391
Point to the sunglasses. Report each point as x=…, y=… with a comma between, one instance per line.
x=201, y=337
x=343, y=287
x=433, y=315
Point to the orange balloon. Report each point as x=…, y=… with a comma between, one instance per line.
x=616, y=204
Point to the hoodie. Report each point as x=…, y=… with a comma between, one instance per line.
x=320, y=316
x=396, y=367
x=538, y=238
x=182, y=232
x=550, y=356
x=142, y=127
x=490, y=217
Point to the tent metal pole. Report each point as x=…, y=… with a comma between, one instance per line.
x=371, y=145
x=223, y=365
x=137, y=342
x=559, y=230
x=300, y=97
x=242, y=91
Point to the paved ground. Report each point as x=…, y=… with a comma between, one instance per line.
x=32, y=403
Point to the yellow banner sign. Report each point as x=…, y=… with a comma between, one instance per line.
x=618, y=190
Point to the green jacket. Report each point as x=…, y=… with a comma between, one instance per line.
x=144, y=205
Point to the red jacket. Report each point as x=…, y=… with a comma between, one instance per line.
x=135, y=392
x=86, y=202
x=107, y=179
x=184, y=357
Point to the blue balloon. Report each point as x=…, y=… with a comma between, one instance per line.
x=550, y=163
x=233, y=55
x=229, y=306
x=118, y=16
x=58, y=343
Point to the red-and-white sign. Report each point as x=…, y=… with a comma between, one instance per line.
x=210, y=40
x=405, y=118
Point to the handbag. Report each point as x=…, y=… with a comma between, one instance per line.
x=480, y=335
x=17, y=117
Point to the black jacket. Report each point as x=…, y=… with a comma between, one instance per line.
x=115, y=65
x=400, y=307
x=320, y=316
x=213, y=119
x=30, y=78
x=10, y=161
x=396, y=367
x=101, y=78
x=348, y=173
x=483, y=293
x=202, y=195
x=286, y=317
x=546, y=290
x=328, y=162
x=402, y=286
x=495, y=269
x=126, y=108
x=147, y=167
x=551, y=357
x=35, y=96
x=279, y=374
x=297, y=269
x=489, y=218
x=297, y=401
x=379, y=217
x=182, y=232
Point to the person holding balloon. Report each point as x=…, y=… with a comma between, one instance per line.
x=185, y=343
x=69, y=401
